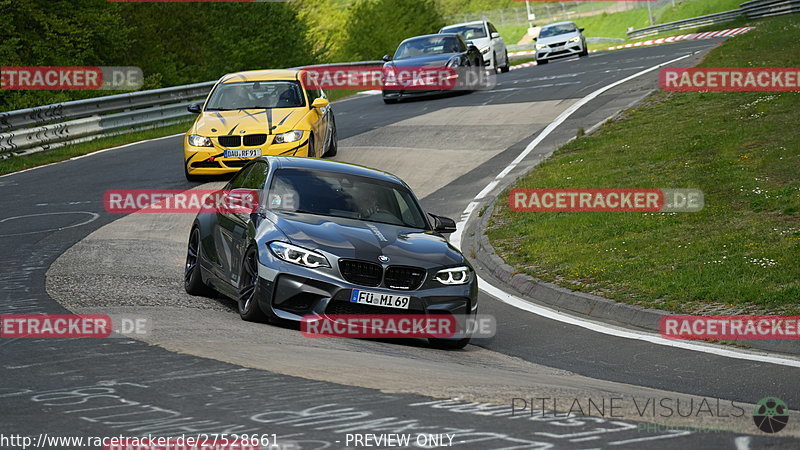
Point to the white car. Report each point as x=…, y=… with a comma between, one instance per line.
x=558, y=40
x=484, y=36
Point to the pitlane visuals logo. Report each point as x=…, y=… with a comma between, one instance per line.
x=771, y=415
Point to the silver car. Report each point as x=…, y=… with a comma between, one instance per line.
x=559, y=40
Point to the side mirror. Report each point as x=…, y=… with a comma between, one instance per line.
x=581, y=29
x=535, y=39
x=443, y=224
x=320, y=103
x=471, y=47
x=495, y=35
x=194, y=108
x=386, y=58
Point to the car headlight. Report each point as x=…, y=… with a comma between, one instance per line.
x=485, y=50
x=540, y=46
x=298, y=255
x=454, y=275
x=289, y=136
x=575, y=39
x=199, y=141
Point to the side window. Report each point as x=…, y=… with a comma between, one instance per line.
x=256, y=177
x=238, y=180
x=407, y=216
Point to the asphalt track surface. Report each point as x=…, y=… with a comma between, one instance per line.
x=185, y=382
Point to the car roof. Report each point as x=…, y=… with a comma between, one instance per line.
x=291, y=162
x=262, y=75
x=474, y=22
x=559, y=23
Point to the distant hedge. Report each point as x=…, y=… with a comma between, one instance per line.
x=375, y=27
x=180, y=43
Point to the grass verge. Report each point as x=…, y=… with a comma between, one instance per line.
x=63, y=153
x=739, y=255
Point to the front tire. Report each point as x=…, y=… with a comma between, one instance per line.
x=249, y=290
x=448, y=344
x=541, y=62
x=333, y=145
x=192, y=278
x=506, y=67
x=190, y=177
x=312, y=152
x=389, y=101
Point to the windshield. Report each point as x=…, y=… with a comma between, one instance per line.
x=555, y=30
x=256, y=95
x=341, y=195
x=468, y=32
x=433, y=45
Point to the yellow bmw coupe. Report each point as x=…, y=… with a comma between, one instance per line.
x=249, y=114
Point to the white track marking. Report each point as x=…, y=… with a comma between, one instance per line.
x=92, y=218
x=548, y=313
x=742, y=442
x=524, y=305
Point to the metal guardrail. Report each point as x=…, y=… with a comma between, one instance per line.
x=43, y=128
x=756, y=9
x=753, y=9
x=694, y=22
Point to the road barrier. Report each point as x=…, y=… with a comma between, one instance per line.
x=694, y=22
x=43, y=128
x=754, y=9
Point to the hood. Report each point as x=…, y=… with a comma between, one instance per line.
x=437, y=60
x=356, y=239
x=558, y=38
x=269, y=121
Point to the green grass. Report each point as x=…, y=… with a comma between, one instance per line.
x=695, y=8
x=63, y=153
x=512, y=34
x=739, y=255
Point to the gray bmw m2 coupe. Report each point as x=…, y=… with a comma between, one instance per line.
x=328, y=238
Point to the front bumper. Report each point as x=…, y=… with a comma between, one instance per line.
x=299, y=292
x=212, y=160
x=560, y=51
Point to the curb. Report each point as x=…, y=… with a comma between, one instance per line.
x=475, y=244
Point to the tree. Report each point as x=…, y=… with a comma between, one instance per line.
x=375, y=27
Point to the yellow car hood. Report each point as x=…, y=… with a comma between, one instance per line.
x=248, y=121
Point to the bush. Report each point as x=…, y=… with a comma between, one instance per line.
x=173, y=43
x=375, y=27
